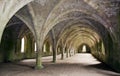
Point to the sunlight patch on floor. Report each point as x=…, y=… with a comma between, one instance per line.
x=81, y=58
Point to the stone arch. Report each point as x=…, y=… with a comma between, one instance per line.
x=88, y=49
x=92, y=17
x=15, y=30
x=48, y=44
x=95, y=24
x=8, y=11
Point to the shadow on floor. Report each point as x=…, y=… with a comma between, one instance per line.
x=102, y=66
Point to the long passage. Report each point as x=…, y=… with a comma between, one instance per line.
x=82, y=64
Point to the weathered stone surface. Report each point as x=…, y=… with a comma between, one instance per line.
x=74, y=22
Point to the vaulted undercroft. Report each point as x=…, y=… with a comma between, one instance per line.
x=53, y=27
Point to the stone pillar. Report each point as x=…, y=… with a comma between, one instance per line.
x=39, y=56
x=62, y=53
x=54, y=43
x=74, y=51
x=67, y=53
x=70, y=53
x=54, y=52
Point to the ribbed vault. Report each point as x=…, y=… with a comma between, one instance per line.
x=66, y=24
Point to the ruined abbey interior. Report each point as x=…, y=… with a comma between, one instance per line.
x=49, y=37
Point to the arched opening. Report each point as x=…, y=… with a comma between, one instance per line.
x=35, y=47
x=84, y=48
x=78, y=34
x=9, y=9
x=17, y=41
x=44, y=48
x=47, y=48
x=22, y=45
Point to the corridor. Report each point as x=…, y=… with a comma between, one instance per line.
x=82, y=64
x=55, y=37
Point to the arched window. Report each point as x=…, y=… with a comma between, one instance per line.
x=35, y=48
x=50, y=48
x=22, y=44
x=44, y=48
x=84, y=48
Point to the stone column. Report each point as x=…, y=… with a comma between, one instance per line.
x=67, y=53
x=54, y=52
x=39, y=55
x=62, y=53
x=54, y=43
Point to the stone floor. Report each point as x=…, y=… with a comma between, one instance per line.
x=78, y=65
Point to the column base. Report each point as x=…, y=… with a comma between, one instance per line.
x=54, y=61
x=62, y=58
x=39, y=67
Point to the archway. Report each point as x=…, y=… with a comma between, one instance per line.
x=17, y=41
x=8, y=11
x=84, y=48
